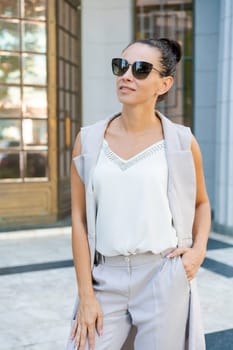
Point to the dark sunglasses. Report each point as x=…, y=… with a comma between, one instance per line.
x=140, y=69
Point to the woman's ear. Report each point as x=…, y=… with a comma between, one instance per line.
x=166, y=84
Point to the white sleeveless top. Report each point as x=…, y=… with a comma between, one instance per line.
x=133, y=214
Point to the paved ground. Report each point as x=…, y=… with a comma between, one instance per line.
x=37, y=290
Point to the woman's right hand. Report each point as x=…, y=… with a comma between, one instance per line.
x=89, y=318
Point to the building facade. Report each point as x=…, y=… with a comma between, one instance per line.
x=55, y=76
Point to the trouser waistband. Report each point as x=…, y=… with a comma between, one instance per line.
x=133, y=259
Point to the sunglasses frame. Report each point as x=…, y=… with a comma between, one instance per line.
x=133, y=67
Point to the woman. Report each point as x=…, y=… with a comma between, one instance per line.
x=140, y=215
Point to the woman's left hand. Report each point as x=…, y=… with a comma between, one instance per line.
x=192, y=259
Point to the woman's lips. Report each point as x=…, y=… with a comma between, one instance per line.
x=125, y=88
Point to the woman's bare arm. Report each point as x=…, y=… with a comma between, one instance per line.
x=202, y=219
x=89, y=315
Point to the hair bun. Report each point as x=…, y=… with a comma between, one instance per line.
x=175, y=48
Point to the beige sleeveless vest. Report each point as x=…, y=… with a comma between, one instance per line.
x=181, y=176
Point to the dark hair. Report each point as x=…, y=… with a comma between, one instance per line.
x=171, y=53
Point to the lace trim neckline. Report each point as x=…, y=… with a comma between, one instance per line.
x=126, y=163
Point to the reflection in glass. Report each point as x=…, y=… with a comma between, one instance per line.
x=9, y=8
x=34, y=102
x=9, y=133
x=9, y=35
x=10, y=102
x=34, y=69
x=9, y=68
x=35, y=133
x=35, y=9
x=36, y=164
x=34, y=37
x=9, y=165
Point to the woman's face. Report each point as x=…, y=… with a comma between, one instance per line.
x=132, y=91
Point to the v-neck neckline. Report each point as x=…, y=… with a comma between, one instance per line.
x=124, y=164
x=155, y=145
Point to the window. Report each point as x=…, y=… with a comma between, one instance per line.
x=172, y=19
x=68, y=77
x=23, y=90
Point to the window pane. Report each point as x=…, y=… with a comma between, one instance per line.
x=61, y=100
x=74, y=56
x=9, y=8
x=67, y=76
x=10, y=103
x=61, y=44
x=73, y=132
x=34, y=102
x=34, y=37
x=61, y=135
x=66, y=15
x=61, y=12
x=36, y=164
x=61, y=74
x=9, y=166
x=9, y=68
x=74, y=100
x=67, y=46
x=35, y=9
x=9, y=35
x=74, y=22
x=35, y=133
x=68, y=162
x=74, y=78
x=34, y=69
x=67, y=102
x=9, y=133
x=61, y=165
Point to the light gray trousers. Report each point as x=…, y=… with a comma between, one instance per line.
x=148, y=291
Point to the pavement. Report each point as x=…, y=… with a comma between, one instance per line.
x=38, y=288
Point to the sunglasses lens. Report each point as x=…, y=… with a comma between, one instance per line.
x=141, y=69
x=119, y=66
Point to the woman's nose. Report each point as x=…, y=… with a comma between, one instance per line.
x=128, y=74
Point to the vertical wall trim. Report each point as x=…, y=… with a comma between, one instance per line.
x=52, y=104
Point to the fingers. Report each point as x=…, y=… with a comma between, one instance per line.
x=82, y=332
x=99, y=324
x=91, y=336
x=74, y=329
x=78, y=336
x=82, y=338
x=177, y=252
x=187, y=261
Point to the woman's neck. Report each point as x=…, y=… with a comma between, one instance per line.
x=138, y=120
